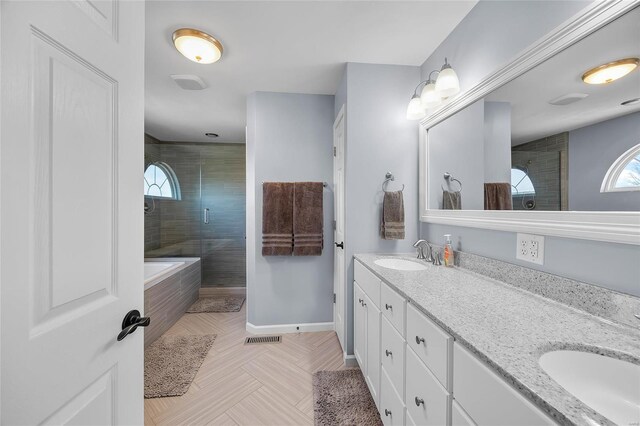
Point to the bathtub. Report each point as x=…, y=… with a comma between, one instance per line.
x=171, y=285
x=156, y=271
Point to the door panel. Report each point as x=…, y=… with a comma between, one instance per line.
x=359, y=328
x=339, y=273
x=71, y=211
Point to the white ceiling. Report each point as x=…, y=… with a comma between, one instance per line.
x=532, y=117
x=298, y=47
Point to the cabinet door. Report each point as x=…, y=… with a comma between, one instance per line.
x=359, y=328
x=372, y=317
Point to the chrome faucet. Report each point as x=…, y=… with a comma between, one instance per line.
x=420, y=245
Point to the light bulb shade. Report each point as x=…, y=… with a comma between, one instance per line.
x=197, y=46
x=414, y=109
x=447, y=83
x=429, y=97
x=610, y=72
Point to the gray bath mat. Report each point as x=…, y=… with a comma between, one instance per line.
x=171, y=363
x=342, y=398
x=217, y=304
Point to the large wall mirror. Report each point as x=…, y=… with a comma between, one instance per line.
x=546, y=151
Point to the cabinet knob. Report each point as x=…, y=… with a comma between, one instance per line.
x=419, y=401
x=360, y=301
x=388, y=352
x=419, y=340
x=388, y=307
x=387, y=412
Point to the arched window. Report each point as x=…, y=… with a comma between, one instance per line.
x=521, y=183
x=161, y=182
x=624, y=173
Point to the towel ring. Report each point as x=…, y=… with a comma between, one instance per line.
x=389, y=177
x=449, y=178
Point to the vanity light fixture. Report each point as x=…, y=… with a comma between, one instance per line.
x=612, y=71
x=197, y=46
x=433, y=92
x=447, y=83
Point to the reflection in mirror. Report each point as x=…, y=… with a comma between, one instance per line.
x=547, y=140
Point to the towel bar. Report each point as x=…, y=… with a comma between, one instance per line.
x=449, y=178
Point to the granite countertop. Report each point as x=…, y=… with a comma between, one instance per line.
x=510, y=328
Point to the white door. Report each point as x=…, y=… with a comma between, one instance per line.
x=71, y=165
x=339, y=277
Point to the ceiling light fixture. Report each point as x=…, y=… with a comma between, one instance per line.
x=197, y=46
x=433, y=92
x=631, y=102
x=612, y=71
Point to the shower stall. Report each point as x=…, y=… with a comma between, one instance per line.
x=195, y=207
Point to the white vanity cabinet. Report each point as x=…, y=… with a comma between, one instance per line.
x=418, y=375
x=366, y=322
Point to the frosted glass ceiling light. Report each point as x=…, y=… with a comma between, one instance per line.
x=610, y=72
x=429, y=97
x=447, y=83
x=414, y=109
x=197, y=46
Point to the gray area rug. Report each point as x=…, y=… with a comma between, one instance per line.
x=171, y=363
x=342, y=398
x=217, y=304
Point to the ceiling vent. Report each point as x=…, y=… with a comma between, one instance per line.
x=568, y=99
x=189, y=82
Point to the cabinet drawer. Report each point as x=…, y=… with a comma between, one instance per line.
x=368, y=282
x=393, y=307
x=430, y=343
x=459, y=417
x=487, y=398
x=426, y=400
x=391, y=407
x=392, y=355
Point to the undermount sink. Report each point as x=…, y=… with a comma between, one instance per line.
x=608, y=385
x=400, y=264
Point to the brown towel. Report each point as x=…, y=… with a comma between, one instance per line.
x=392, y=227
x=308, y=219
x=497, y=196
x=451, y=200
x=277, y=219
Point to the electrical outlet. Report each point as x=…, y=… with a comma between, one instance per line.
x=530, y=248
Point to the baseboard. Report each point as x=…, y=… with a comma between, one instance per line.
x=350, y=361
x=289, y=328
x=223, y=291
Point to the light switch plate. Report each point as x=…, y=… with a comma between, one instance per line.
x=530, y=248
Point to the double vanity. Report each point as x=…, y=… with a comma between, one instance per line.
x=448, y=346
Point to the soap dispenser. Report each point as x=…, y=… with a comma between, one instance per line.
x=448, y=251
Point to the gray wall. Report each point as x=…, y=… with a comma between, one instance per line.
x=456, y=146
x=497, y=142
x=592, y=150
x=379, y=139
x=494, y=32
x=490, y=35
x=289, y=139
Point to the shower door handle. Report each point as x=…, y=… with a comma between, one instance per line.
x=205, y=217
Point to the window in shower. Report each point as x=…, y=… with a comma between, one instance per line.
x=161, y=182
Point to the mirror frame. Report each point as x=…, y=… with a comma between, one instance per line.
x=616, y=227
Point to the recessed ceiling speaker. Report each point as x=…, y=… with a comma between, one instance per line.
x=189, y=82
x=569, y=98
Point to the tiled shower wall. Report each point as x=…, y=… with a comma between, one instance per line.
x=547, y=162
x=210, y=176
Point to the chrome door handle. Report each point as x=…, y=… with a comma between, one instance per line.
x=205, y=217
x=419, y=340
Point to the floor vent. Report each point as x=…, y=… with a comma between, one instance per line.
x=262, y=339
